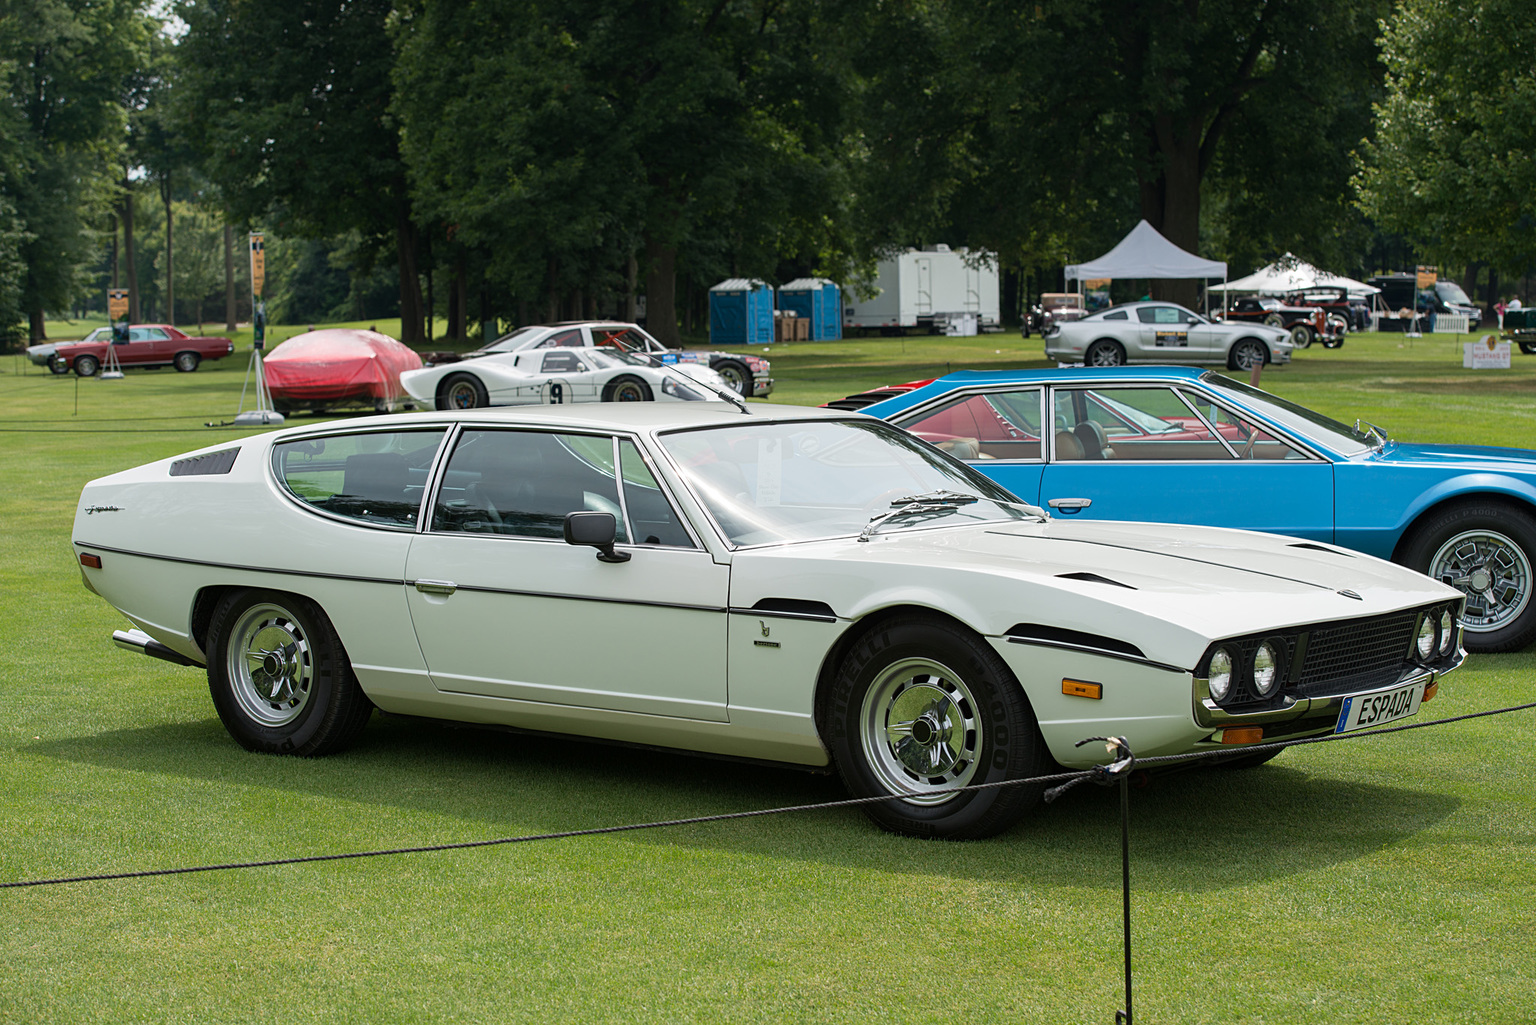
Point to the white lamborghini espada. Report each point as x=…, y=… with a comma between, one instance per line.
x=807, y=586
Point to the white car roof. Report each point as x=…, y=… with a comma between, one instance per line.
x=601, y=416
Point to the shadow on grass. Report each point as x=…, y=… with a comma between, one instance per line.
x=1195, y=831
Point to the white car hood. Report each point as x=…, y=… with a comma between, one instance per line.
x=1168, y=589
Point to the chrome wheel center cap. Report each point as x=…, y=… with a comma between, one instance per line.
x=925, y=729
x=1480, y=580
x=272, y=664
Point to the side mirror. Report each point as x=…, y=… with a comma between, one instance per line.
x=598, y=529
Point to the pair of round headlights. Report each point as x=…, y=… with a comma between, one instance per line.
x=1266, y=669
x=1436, y=634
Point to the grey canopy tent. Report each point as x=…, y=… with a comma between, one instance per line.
x=1145, y=253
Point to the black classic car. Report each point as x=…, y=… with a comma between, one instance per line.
x=1305, y=323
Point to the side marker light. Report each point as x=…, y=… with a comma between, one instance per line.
x=1080, y=689
x=1242, y=735
x=93, y=561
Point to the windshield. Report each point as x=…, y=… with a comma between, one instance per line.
x=770, y=483
x=506, y=343
x=1308, y=423
x=1450, y=292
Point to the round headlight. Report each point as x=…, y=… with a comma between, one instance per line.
x=1266, y=668
x=1221, y=673
x=1426, y=639
x=1447, y=632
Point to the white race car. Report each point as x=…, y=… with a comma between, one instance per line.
x=805, y=586
x=557, y=376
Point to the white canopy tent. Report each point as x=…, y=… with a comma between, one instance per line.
x=1145, y=253
x=1290, y=274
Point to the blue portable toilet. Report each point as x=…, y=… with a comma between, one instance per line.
x=818, y=300
x=741, y=313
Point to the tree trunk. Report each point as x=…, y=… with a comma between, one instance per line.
x=36, y=330
x=1171, y=201
x=112, y=227
x=410, y=284
x=631, y=280
x=661, y=293
x=133, y=267
x=229, y=278
x=170, y=265
x=458, y=302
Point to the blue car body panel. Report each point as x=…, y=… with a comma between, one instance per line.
x=1366, y=501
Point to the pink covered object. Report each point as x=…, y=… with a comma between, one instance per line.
x=338, y=366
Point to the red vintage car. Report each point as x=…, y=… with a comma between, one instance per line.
x=148, y=345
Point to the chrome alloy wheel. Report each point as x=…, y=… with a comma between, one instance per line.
x=1491, y=571
x=270, y=665
x=461, y=395
x=920, y=730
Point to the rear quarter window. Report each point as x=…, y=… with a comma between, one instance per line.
x=375, y=477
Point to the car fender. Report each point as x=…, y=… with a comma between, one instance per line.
x=1413, y=504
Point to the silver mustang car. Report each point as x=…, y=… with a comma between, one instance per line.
x=1161, y=332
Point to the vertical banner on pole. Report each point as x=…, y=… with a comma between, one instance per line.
x=117, y=314
x=258, y=285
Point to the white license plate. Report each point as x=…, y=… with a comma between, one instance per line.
x=1362, y=711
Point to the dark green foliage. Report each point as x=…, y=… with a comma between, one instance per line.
x=1451, y=166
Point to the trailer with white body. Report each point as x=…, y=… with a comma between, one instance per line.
x=927, y=288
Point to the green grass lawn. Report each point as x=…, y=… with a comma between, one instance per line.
x=1386, y=879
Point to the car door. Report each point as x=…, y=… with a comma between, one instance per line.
x=504, y=607
x=1164, y=333
x=1163, y=454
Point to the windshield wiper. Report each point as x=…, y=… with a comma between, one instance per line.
x=931, y=503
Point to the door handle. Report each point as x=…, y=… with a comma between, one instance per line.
x=442, y=587
x=1069, y=506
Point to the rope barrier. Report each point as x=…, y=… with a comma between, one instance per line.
x=1107, y=775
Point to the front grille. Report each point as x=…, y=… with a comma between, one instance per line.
x=1356, y=655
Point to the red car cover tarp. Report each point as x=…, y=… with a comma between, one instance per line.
x=337, y=364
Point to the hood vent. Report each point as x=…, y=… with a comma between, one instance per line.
x=1319, y=548
x=1059, y=637
x=205, y=465
x=1093, y=578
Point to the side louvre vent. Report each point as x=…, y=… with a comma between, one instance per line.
x=205, y=465
x=1093, y=578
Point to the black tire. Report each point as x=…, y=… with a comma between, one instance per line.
x=58, y=365
x=1246, y=352
x=1275, y=320
x=736, y=375
x=1338, y=324
x=462, y=391
x=186, y=362
x=1333, y=343
x=627, y=389
x=1302, y=335
x=1487, y=550
x=1529, y=348
x=977, y=723
x=302, y=697
x=86, y=366
x=1105, y=353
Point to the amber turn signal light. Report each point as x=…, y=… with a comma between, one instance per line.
x=93, y=561
x=1242, y=735
x=1080, y=689
x=1430, y=691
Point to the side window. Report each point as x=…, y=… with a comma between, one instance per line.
x=562, y=363
x=655, y=521
x=998, y=425
x=1144, y=423
x=1117, y=315
x=376, y=477
x=1247, y=438
x=570, y=338
x=522, y=483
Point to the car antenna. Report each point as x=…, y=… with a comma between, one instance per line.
x=725, y=393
